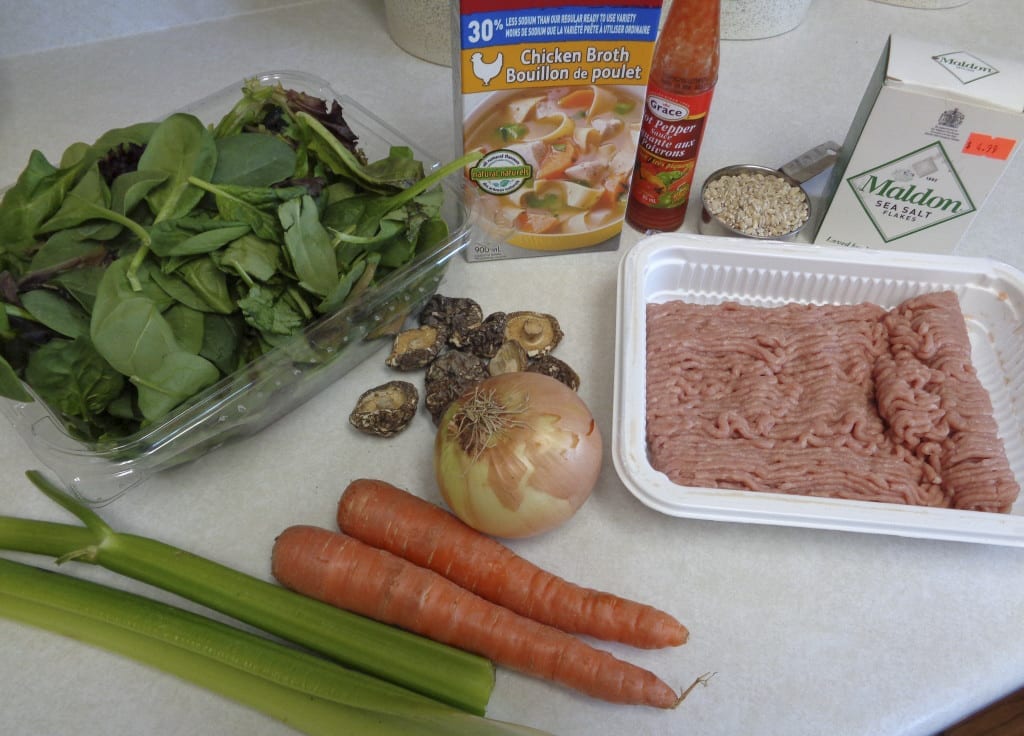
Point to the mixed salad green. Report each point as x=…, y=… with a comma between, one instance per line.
x=146, y=266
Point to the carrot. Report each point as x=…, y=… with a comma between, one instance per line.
x=614, y=187
x=535, y=221
x=557, y=159
x=390, y=518
x=346, y=573
x=577, y=98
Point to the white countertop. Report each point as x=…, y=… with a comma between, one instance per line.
x=810, y=632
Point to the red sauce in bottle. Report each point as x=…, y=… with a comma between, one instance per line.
x=684, y=71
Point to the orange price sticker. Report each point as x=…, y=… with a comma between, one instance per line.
x=979, y=144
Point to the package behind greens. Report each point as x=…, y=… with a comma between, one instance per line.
x=252, y=298
x=551, y=94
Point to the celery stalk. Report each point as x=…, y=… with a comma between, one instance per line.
x=436, y=670
x=238, y=648
x=300, y=689
x=303, y=712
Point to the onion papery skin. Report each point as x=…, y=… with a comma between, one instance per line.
x=532, y=474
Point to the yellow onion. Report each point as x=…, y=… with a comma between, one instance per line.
x=517, y=454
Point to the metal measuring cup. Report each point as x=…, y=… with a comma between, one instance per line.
x=794, y=173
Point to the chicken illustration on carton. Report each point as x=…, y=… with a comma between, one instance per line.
x=551, y=94
x=936, y=129
x=485, y=71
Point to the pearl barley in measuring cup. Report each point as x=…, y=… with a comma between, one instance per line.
x=758, y=202
x=753, y=201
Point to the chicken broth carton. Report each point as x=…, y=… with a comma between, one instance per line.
x=937, y=127
x=551, y=95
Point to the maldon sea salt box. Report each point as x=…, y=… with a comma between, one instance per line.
x=937, y=127
x=551, y=95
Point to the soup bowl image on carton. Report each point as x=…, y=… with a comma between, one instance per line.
x=551, y=98
x=936, y=129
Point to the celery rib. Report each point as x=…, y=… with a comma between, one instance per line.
x=297, y=688
x=307, y=713
x=260, y=656
x=438, y=671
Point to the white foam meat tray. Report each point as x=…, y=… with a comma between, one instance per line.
x=710, y=270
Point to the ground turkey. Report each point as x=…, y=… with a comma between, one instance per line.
x=849, y=401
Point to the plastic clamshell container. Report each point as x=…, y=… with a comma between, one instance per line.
x=279, y=380
x=711, y=270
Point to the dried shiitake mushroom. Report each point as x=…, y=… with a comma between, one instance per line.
x=459, y=315
x=510, y=358
x=459, y=347
x=385, y=410
x=549, y=365
x=537, y=332
x=416, y=347
x=449, y=376
x=485, y=339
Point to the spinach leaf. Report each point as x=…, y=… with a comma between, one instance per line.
x=337, y=297
x=209, y=282
x=180, y=376
x=400, y=169
x=380, y=230
x=336, y=156
x=180, y=147
x=271, y=311
x=255, y=206
x=394, y=246
x=251, y=258
x=90, y=200
x=309, y=245
x=376, y=209
x=114, y=288
x=249, y=110
x=432, y=233
x=82, y=284
x=365, y=279
x=188, y=326
x=361, y=215
x=193, y=234
x=134, y=337
x=70, y=260
x=178, y=290
x=59, y=314
x=33, y=198
x=253, y=159
x=63, y=251
x=416, y=226
x=40, y=188
x=11, y=386
x=222, y=341
x=339, y=190
x=137, y=134
x=72, y=377
x=131, y=188
x=78, y=153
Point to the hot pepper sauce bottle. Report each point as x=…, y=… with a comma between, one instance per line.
x=684, y=70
